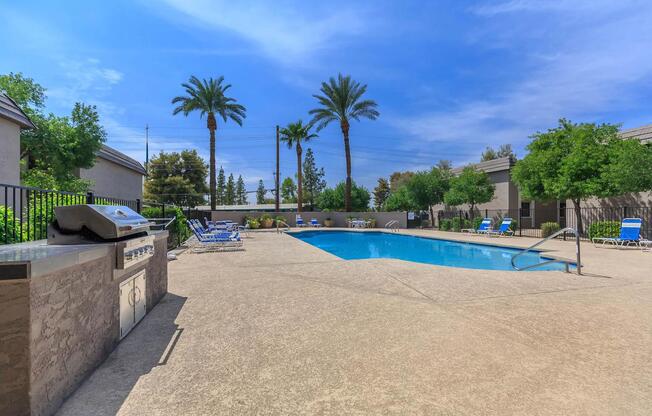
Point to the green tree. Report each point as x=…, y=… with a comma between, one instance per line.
x=333, y=199
x=427, y=188
x=580, y=161
x=341, y=101
x=260, y=192
x=400, y=200
x=229, y=192
x=240, y=192
x=288, y=191
x=504, y=150
x=293, y=135
x=177, y=178
x=470, y=187
x=26, y=92
x=313, y=179
x=208, y=98
x=381, y=193
x=398, y=179
x=221, y=185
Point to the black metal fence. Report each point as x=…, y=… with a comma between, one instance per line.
x=528, y=221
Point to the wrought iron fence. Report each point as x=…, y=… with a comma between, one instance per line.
x=528, y=222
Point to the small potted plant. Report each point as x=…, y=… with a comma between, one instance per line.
x=279, y=220
x=328, y=222
x=266, y=221
x=253, y=223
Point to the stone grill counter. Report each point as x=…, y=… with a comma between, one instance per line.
x=60, y=317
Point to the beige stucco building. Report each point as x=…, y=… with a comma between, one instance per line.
x=115, y=175
x=12, y=120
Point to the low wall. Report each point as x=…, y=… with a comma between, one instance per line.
x=340, y=218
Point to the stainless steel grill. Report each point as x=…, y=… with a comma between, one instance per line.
x=88, y=224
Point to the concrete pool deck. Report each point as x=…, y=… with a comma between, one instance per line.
x=286, y=328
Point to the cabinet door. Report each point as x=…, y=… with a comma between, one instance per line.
x=140, y=296
x=126, y=307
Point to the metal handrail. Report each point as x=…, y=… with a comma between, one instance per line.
x=278, y=229
x=563, y=231
x=392, y=225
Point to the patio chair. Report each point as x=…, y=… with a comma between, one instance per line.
x=503, y=231
x=630, y=235
x=300, y=222
x=483, y=228
x=314, y=223
x=214, y=242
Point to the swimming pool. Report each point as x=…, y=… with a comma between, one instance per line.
x=352, y=245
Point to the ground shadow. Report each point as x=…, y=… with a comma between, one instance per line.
x=150, y=344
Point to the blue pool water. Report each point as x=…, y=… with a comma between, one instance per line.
x=350, y=245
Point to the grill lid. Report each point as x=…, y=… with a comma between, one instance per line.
x=106, y=221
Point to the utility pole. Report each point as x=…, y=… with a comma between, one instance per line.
x=147, y=149
x=278, y=173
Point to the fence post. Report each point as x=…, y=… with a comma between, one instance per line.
x=461, y=225
x=624, y=212
x=163, y=210
x=486, y=213
x=138, y=205
x=520, y=223
x=90, y=198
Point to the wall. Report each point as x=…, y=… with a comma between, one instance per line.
x=9, y=153
x=340, y=218
x=113, y=180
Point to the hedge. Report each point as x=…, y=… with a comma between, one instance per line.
x=604, y=229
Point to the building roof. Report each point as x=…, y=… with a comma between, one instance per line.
x=643, y=133
x=494, y=165
x=9, y=110
x=112, y=155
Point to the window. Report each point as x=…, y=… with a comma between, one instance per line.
x=525, y=209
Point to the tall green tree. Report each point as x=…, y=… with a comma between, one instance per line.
x=260, y=192
x=381, y=193
x=581, y=161
x=59, y=146
x=293, y=135
x=288, y=191
x=229, y=192
x=208, y=97
x=399, y=179
x=400, y=200
x=313, y=179
x=341, y=101
x=427, y=188
x=333, y=199
x=177, y=178
x=240, y=192
x=471, y=187
x=221, y=185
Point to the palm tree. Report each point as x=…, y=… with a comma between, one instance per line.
x=207, y=97
x=293, y=135
x=341, y=102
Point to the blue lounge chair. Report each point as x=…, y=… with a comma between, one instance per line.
x=300, y=222
x=314, y=223
x=483, y=228
x=503, y=230
x=214, y=241
x=630, y=234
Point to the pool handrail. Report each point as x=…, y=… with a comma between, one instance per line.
x=392, y=225
x=278, y=228
x=566, y=262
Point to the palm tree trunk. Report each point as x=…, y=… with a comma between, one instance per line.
x=299, y=180
x=347, y=154
x=212, y=125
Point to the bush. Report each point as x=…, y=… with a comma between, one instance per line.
x=549, y=228
x=178, y=229
x=458, y=223
x=253, y=223
x=445, y=224
x=476, y=222
x=604, y=229
x=14, y=231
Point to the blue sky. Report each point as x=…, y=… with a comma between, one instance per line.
x=450, y=77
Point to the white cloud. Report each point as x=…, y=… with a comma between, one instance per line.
x=286, y=32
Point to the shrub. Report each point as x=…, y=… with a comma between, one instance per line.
x=549, y=228
x=14, y=231
x=458, y=223
x=445, y=224
x=604, y=229
x=476, y=222
x=253, y=223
